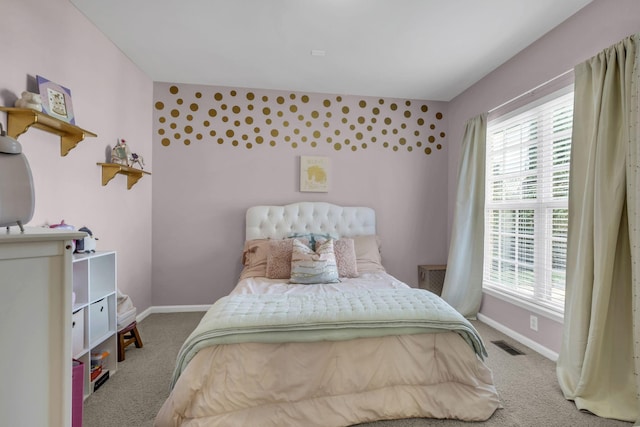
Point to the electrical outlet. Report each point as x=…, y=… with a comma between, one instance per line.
x=533, y=322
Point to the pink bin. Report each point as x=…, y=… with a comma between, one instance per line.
x=77, y=393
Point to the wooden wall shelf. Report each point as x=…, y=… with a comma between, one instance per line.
x=110, y=170
x=19, y=120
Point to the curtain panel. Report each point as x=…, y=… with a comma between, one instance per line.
x=598, y=363
x=462, y=286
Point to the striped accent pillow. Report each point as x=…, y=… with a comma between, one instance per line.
x=310, y=267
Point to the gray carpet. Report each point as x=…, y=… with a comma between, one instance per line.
x=527, y=384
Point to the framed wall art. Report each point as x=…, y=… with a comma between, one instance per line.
x=315, y=174
x=56, y=100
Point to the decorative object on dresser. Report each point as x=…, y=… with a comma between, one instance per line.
x=94, y=338
x=17, y=197
x=431, y=277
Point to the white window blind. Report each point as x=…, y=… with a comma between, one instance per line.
x=527, y=187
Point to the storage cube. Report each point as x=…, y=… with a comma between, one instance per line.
x=98, y=319
x=77, y=332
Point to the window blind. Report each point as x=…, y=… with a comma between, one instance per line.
x=527, y=187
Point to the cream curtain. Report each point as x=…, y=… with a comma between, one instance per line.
x=598, y=363
x=463, y=281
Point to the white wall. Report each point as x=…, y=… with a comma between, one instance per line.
x=112, y=98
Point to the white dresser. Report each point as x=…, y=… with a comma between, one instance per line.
x=35, y=315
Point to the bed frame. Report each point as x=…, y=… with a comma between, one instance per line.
x=277, y=222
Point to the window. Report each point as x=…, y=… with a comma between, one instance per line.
x=527, y=188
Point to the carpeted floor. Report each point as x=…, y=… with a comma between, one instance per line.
x=527, y=384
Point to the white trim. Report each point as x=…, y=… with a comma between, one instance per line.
x=171, y=309
x=519, y=302
x=549, y=354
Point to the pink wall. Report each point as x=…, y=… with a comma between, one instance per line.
x=597, y=26
x=112, y=98
x=210, y=167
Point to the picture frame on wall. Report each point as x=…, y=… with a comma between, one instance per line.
x=315, y=174
x=56, y=100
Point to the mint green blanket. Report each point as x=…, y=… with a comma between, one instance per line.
x=327, y=317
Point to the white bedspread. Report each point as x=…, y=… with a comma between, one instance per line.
x=331, y=383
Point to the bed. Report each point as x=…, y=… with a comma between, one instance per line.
x=346, y=343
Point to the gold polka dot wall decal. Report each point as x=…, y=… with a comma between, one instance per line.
x=424, y=108
x=395, y=148
x=187, y=142
x=407, y=103
x=256, y=130
x=442, y=134
x=272, y=143
x=250, y=107
x=439, y=116
x=162, y=119
x=354, y=148
x=223, y=107
x=268, y=121
x=381, y=101
x=160, y=131
x=329, y=140
x=369, y=128
x=427, y=151
x=347, y=141
x=364, y=145
x=407, y=114
x=303, y=139
x=403, y=125
x=387, y=121
x=188, y=129
x=314, y=144
x=198, y=95
x=304, y=99
x=292, y=96
x=336, y=132
x=177, y=136
x=416, y=133
x=175, y=113
x=245, y=137
x=339, y=98
x=315, y=114
x=326, y=103
x=432, y=139
x=345, y=110
x=279, y=113
x=235, y=109
x=328, y=115
x=362, y=103
x=296, y=131
x=280, y=100
x=361, y=120
x=419, y=144
x=159, y=105
x=374, y=120
x=374, y=139
x=212, y=112
x=249, y=145
x=189, y=117
x=198, y=136
x=402, y=141
x=287, y=138
x=393, y=106
x=344, y=120
x=234, y=142
x=220, y=141
x=337, y=146
x=266, y=111
x=259, y=139
x=233, y=93
x=236, y=123
x=173, y=89
x=265, y=98
x=285, y=123
x=213, y=133
x=326, y=124
x=316, y=134
x=229, y=133
x=359, y=136
x=438, y=146
x=394, y=131
x=409, y=148
x=420, y=121
x=217, y=96
x=173, y=125
x=293, y=108
x=432, y=126
x=385, y=144
x=225, y=119
x=165, y=142
x=250, y=96
x=274, y=132
x=353, y=127
x=375, y=111
x=384, y=131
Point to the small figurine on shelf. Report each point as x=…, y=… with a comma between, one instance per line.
x=29, y=100
x=135, y=158
x=120, y=154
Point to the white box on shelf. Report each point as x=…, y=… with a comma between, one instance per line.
x=77, y=332
x=98, y=319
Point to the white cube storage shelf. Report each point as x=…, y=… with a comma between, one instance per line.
x=94, y=311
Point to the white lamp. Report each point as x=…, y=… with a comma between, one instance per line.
x=17, y=199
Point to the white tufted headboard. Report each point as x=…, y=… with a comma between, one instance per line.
x=278, y=222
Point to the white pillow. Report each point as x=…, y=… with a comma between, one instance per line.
x=310, y=267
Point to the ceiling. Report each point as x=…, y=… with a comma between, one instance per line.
x=416, y=49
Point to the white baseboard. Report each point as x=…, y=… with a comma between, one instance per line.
x=171, y=309
x=549, y=354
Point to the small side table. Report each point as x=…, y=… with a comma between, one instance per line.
x=431, y=277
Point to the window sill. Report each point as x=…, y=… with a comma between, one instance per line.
x=541, y=311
